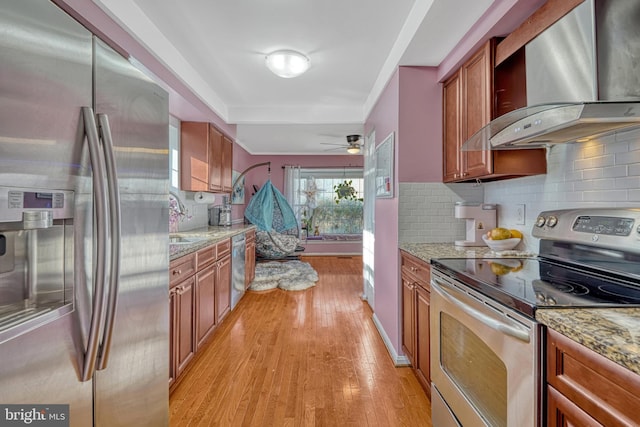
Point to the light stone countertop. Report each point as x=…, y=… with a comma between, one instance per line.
x=208, y=236
x=611, y=332
x=427, y=251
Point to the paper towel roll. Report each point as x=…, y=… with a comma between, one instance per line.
x=204, y=198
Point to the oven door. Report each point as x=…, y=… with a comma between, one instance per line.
x=484, y=359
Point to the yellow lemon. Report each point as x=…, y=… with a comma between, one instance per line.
x=500, y=269
x=516, y=234
x=500, y=234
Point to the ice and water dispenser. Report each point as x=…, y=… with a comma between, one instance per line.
x=36, y=255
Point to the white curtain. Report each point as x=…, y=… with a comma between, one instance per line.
x=292, y=188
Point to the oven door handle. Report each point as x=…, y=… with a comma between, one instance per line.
x=513, y=330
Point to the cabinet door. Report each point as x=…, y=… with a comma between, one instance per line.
x=249, y=263
x=477, y=90
x=185, y=324
x=215, y=159
x=408, y=319
x=172, y=336
x=422, y=357
x=227, y=165
x=205, y=303
x=223, y=288
x=561, y=412
x=451, y=128
x=603, y=389
x=194, y=156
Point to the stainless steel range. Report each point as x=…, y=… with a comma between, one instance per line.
x=486, y=345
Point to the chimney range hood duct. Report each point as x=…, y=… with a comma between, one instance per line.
x=582, y=81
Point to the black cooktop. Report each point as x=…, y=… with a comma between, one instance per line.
x=526, y=284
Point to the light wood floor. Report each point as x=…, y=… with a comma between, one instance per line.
x=300, y=358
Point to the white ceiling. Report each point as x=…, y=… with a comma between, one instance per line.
x=217, y=48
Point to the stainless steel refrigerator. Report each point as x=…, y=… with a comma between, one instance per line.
x=84, y=317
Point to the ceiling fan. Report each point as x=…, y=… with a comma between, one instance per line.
x=352, y=145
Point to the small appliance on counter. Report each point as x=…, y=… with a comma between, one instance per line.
x=481, y=217
x=225, y=213
x=225, y=216
x=214, y=215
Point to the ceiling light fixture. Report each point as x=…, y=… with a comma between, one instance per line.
x=353, y=149
x=287, y=63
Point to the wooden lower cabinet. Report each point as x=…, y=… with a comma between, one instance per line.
x=422, y=357
x=223, y=288
x=184, y=342
x=205, y=303
x=249, y=258
x=415, y=275
x=585, y=388
x=199, y=299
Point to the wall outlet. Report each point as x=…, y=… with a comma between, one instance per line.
x=520, y=211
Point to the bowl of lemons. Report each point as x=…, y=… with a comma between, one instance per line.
x=502, y=239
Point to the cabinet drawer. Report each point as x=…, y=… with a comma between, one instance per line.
x=223, y=248
x=206, y=256
x=605, y=390
x=250, y=235
x=181, y=268
x=416, y=269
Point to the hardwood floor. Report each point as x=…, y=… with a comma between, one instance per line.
x=300, y=358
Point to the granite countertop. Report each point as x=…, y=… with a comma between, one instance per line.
x=427, y=251
x=203, y=237
x=611, y=332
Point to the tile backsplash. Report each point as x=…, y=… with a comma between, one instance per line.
x=604, y=172
x=426, y=211
x=599, y=173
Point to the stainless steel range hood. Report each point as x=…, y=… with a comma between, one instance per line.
x=581, y=81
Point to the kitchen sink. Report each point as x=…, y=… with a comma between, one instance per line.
x=185, y=240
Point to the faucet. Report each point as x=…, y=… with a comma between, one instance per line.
x=181, y=209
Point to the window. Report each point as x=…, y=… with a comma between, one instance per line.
x=321, y=210
x=174, y=153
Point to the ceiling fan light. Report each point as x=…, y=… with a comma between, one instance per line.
x=287, y=63
x=354, y=149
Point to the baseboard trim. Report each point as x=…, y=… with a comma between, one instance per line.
x=305, y=253
x=397, y=359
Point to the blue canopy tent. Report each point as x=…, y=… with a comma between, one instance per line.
x=278, y=232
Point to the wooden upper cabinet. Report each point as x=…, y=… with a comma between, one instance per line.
x=194, y=156
x=206, y=156
x=451, y=114
x=469, y=103
x=216, y=141
x=227, y=165
x=477, y=93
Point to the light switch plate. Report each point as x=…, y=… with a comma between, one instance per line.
x=520, y=214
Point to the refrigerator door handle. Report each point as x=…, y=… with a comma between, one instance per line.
x=115, y=224
x=100, y=204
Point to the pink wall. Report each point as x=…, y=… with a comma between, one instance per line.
x=258, y=176
x=411, y=106
x=384, y=119
x=420, y=125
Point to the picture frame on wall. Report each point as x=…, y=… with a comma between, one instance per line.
x=384, y=168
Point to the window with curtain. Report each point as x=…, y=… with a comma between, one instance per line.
x=327, y=201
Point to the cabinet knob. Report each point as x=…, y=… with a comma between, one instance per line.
x=176, y=272
x=414, y=269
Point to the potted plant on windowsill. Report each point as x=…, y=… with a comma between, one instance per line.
x=345, y=191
